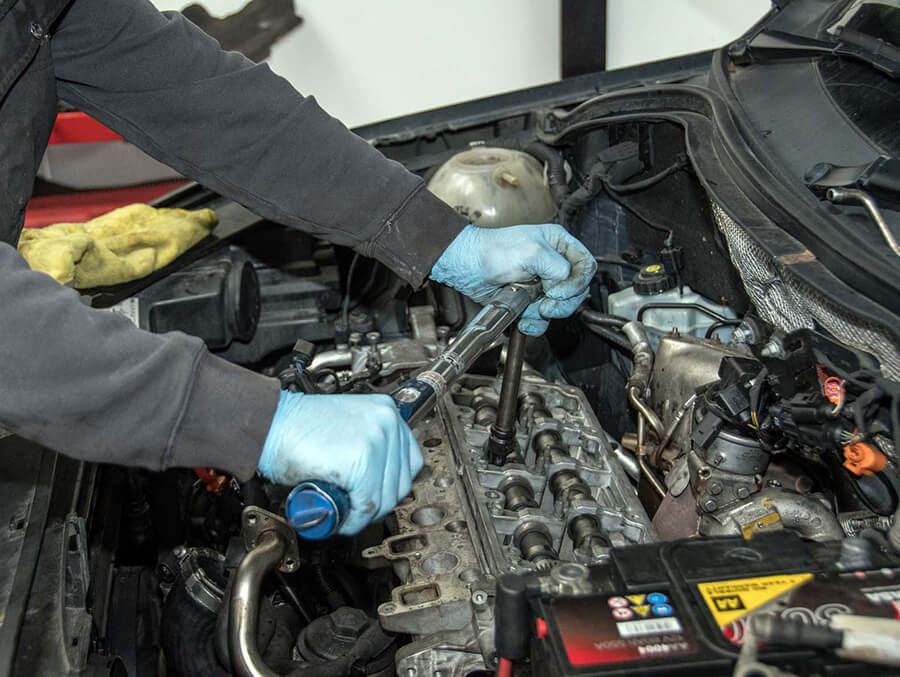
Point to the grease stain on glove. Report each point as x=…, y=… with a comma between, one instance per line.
x=480, y=261
x=358, y=442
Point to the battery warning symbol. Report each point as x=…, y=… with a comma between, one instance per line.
x=622, y=614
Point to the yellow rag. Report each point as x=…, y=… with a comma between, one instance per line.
x=123, y=245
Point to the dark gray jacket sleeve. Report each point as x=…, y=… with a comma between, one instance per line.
x=90, y=384
x=87, y=382
x=237, y=128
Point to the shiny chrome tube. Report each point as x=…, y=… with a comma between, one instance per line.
x=642, y=360
x=646, y=470
x=243, y=618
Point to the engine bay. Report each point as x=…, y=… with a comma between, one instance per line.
x=710, y=393
x=654, y=415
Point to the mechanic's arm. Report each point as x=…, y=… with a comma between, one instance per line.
x=90, y=384
x=239, y=129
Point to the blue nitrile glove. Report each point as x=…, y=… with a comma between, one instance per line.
x=481, y=260
x=358, y=442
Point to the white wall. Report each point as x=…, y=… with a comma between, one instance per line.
x=647, y=30
x=369, y=60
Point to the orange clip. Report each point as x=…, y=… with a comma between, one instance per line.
x=862, y=459
x=213, y=480
x=834, y=389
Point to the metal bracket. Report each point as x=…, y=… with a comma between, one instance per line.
x=255, y=522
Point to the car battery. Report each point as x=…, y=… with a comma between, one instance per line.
x=684, y=607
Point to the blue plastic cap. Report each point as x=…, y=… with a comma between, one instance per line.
x=315, y=509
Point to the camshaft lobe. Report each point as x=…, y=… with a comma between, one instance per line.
x=519, y=494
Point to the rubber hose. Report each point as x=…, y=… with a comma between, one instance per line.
x=589, y=316
x=220, y=640
x=556, y=169
x=186, y=635
x=610, y=336
x=333, y=596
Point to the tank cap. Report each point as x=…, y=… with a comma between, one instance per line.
x=652, y=279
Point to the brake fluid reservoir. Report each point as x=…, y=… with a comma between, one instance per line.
x=655, y=300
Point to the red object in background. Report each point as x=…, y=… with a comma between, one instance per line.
x=77, y=207
x=79, y=127
x=80, y=207
x=212, y=479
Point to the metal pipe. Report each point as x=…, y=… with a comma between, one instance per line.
x=646, y=470
x=628, y=461
x=800, y=513
x=502, y=441
x=243, y=619
x=644, y=410
x=642, y=368
x=673, y=426
x=851, y=195
x=331, y=359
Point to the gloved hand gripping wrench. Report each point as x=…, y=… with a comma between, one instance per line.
x=315, y=508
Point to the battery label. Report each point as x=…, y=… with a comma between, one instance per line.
x=621, y=628
x=811, y=601
x=729, y=600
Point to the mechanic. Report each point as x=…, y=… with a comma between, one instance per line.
x=90, y=384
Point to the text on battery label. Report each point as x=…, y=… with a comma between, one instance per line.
x=650, y=626
x=730, y=600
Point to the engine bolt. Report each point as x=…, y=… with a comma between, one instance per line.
x=773, y=348
x=710, y=504
x=741, y=334
x=742, y=492
x=715, y=488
